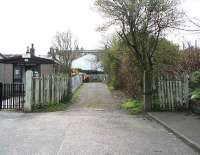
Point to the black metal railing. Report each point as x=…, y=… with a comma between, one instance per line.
x=12, y=96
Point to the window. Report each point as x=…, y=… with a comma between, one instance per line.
x=17, y=74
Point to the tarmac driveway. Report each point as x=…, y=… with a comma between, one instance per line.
x=86, y=129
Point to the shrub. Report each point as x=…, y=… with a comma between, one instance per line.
x=115, y=83
x=131, y=77
x=196, y=95
x=196, y=77
x=195, y=80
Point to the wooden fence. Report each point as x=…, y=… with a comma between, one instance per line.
x=172, y=93
x=76, y=82
x=50, y=89
x=47, y=89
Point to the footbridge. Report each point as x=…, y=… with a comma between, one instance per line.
x=79, y=53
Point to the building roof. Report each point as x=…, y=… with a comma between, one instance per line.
x=2, y=56
x=23, y=60
x=11, y=55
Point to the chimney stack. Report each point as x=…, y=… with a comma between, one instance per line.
x=32, y=50
x=27, y=51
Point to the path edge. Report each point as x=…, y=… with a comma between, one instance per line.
x=186, y=140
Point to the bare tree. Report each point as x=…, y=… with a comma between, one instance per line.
x=62, y=48
x=140, y=24
x=195, y=22
x=61, y=51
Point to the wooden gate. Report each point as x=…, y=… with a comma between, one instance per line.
x=172, y=94
x=12, y=96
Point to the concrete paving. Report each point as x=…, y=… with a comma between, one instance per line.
x=87, y=130
x=184, y=124
x=95, y=96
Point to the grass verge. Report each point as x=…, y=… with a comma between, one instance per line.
x=133, y=106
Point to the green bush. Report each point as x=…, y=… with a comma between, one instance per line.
x=196, y=77
x=196, y=95
x=115, y=83
x=133, y=106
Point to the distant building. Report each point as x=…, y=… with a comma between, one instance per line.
x=13, y=68
x=87, y=62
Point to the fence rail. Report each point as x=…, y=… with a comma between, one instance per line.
x=12, y=96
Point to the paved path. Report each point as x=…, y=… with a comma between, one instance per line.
x=96, y=129
x=95, y=96
x=186, y=125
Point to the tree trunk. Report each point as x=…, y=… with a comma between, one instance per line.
x=147, y=90
x=69, y=88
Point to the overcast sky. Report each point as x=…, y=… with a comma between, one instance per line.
x=192, y=10
x=23, y=22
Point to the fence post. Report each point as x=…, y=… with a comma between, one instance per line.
x=37, y=90
x=48, y=89
x=1, y=97
x=53, y=88
x=41, y=90
x=28, y=91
